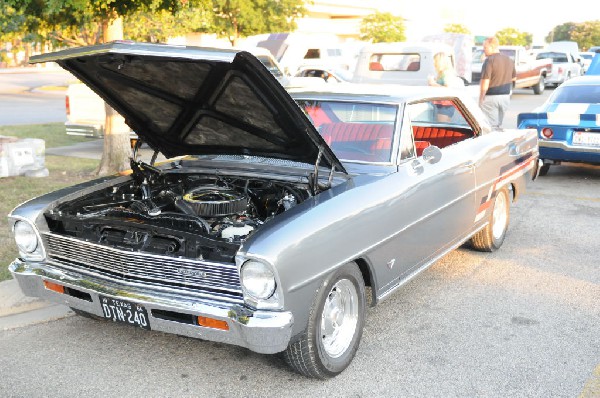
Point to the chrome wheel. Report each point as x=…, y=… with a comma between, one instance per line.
x=500, y=215
x=339, y=318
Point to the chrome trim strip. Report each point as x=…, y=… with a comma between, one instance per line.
x=137, y=266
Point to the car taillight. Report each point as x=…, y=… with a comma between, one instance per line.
x=547, y=132
x=67, y=105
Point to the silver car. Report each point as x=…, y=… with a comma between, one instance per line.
x=279, y=217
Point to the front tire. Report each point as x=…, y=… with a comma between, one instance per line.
x=544, y=169
x=335, y=327
x=491, y=237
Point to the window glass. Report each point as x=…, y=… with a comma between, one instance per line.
x=396, y=62
x=356, y=132
x=576, y=95
x=313, y=53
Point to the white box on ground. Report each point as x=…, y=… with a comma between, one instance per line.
x=22, y=157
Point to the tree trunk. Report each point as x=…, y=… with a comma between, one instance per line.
x=116, y=150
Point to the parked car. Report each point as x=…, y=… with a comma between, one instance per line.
x=567, y=123
x=275, y=210
x=586, y=60
x=564, y=67
x=531, y=72
x=329, y=75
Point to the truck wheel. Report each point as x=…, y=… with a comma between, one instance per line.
x=544, y=169
x=491, y=237
x=335, y=327
x=539, y=88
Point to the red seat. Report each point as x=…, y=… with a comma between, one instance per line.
x=439, y=137
x=336, y=132
x=420, y=146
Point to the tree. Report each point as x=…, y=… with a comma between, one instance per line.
x=158, y=27
x=561, y=32
x=513, y=37
x=108, y=14
x=382, y=27
x=586, y=34
x=456, y=28
x=234, y=19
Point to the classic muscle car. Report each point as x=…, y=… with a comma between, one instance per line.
x=274, y=211
x=567, y=123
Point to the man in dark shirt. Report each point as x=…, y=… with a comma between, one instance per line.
x=497, y=76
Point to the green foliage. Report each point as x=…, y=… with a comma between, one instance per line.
x=382, y=27
x=160, y=25
x=586, y=34
x=456, y=28
x=514, y=37
x=79, y=22
x=234, y=19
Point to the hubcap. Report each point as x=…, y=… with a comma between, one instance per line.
x=339, y=318
x=500, y=216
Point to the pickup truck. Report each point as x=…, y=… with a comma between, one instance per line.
x=531, y=72
x=564, y=66
x=85, y=112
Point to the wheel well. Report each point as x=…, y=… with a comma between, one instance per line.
x=365, y=270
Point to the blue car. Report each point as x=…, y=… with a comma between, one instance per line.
x=568, y=123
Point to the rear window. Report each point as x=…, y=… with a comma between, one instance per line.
x=395, y=62
x=555, y=57
x=576, y=95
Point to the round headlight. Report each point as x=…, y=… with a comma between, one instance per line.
x=258, y=279
x=25, y=237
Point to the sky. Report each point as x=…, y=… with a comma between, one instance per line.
x=486, y=18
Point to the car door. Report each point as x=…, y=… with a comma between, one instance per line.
x=435, y=203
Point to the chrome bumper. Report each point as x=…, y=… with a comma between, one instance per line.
x=265, y=332
x=568, y=148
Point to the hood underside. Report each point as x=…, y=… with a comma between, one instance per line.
x=195, y=101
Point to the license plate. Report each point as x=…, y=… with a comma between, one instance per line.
x=583, y=138
x=124, y=312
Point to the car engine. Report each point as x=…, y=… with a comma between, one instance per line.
x=192, y=216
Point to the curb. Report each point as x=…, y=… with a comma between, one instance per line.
x=18, y=310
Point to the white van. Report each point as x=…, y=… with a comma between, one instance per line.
x=400, y=62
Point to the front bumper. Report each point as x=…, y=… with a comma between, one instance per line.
x=265, y=332
x=563, y=151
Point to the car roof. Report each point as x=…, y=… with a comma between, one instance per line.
x=390, y=93
x=584, y=80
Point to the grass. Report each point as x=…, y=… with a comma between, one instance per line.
x=64, y=171
x=53, y=133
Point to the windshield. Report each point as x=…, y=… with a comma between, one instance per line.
x=576, y=95
x=356, y=132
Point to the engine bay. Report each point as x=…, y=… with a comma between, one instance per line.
x=197, y=216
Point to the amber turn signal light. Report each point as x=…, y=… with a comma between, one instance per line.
x=212, y=323
x=55, y=287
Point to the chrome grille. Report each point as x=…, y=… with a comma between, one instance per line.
x=195, y=275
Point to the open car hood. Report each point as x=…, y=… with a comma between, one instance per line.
x=195, y=101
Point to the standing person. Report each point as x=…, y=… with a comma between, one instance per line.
x=445, y=77
x=497, y=76
x=444, y=72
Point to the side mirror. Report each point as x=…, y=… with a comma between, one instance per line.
x=432, y=154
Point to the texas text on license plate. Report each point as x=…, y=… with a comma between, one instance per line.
x=124, y=312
